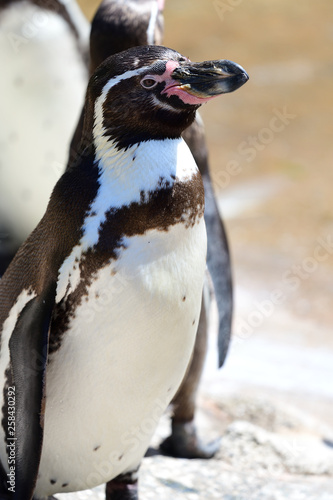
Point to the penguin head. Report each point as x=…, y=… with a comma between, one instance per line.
x=153, y=92
x=119, y=25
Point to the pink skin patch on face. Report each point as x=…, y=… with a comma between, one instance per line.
x=173, y=87
x=184, y=95
x=166, y=77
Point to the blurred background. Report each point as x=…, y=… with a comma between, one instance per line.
x=271, y=156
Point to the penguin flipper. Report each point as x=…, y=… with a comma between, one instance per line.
x=218, y=256
x=28, y=347
x=219, y=266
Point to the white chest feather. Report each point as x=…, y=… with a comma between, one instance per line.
x=122, y=359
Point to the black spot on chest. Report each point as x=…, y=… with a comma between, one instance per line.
x=168, y=205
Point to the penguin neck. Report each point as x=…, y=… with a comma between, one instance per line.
x=140, y=163
x=134, y=176
x=130, y=174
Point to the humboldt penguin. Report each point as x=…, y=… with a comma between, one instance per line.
x=118, y=25
x=43, y=52
x=99, y=308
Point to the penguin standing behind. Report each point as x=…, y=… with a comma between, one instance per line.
x=119, y=25
x=43, y=53
x=100, y=306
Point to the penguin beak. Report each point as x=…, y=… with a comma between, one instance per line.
x=210, y=78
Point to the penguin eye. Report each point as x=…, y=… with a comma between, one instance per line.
x=148, y=83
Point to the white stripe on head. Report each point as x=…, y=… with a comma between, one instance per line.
x=152, y=23
x=98, y=130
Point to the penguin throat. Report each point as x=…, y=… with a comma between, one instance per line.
x=127, y=176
